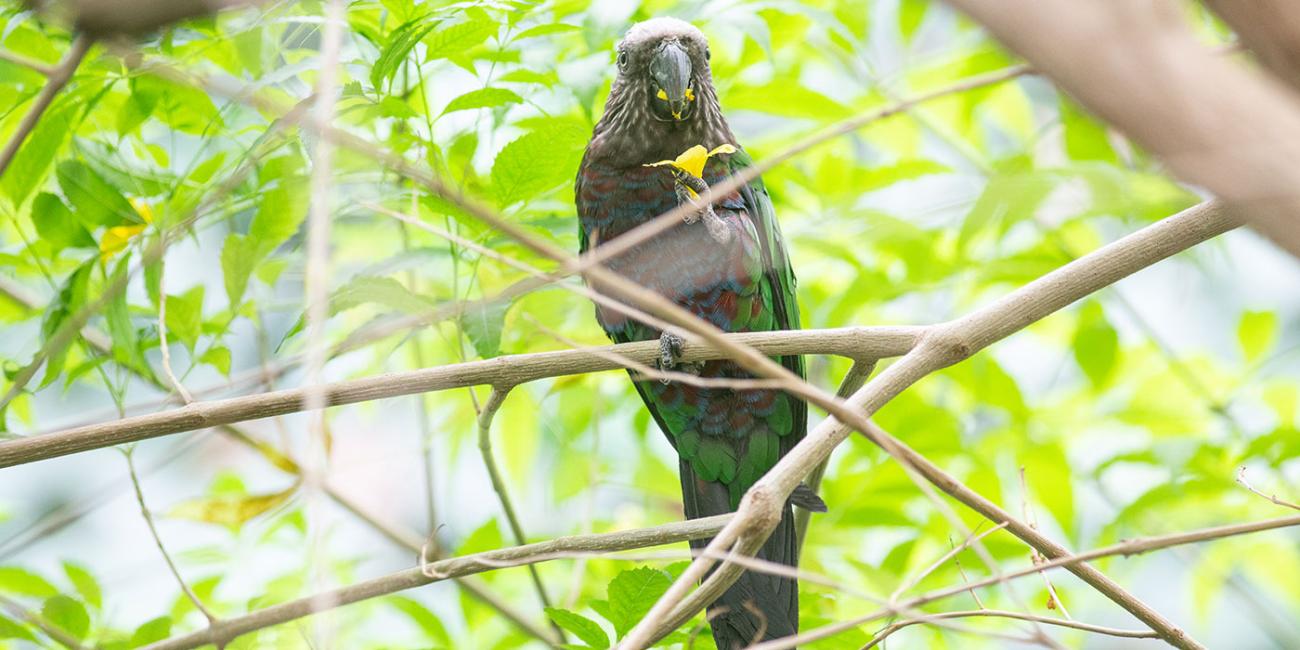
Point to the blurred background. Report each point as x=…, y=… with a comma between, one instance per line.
x=1129, y=413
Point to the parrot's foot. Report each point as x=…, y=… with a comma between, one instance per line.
x=688, y=189
x=670, y=356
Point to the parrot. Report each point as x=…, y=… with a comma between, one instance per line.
x=661, y=141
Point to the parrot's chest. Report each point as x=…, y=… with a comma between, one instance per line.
x=686, y=263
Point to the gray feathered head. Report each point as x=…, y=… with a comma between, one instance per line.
x=662, y=100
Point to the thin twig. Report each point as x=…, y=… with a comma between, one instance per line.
x=153, y=532
x=1241, y=478
x=32, y=64
x=907, y=584
x=58, y=77
x=994, y=613
x=486, y=414
x=1126, y=549
x=162, y=330
x=667, y=534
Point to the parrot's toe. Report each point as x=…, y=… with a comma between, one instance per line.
x=670, y=351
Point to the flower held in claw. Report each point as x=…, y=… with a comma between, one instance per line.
x=692, y=160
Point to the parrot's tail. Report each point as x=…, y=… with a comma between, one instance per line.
x=759, y=606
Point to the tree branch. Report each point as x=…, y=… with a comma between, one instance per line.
x=445, y=569
x=942, y=346
x=994, y=613
x=1270, y=28
x=1125, y=549
x=852, y=342
x=1137, y=65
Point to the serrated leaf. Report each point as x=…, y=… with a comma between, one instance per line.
x=587, y=630
x=85, y=584
x=632, y=593
x=546, y=30
x=535, y=162
x=239, y=256
x=16, y=580
x=67, y=614
x=229, y=510
x=482, y=98
x=458, y=38
x=1256, y=332
x=400, y=42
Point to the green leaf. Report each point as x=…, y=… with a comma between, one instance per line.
x=1096, y=345
x=632, y=593
x=15, y=580
x=458, y=38
x=185, y=317
x=152, y=631
x=218, y=357
x=282, y=206
x=95, y=201
x=546, y=30
x=126, y=341
x=482, y=98
x=56, y=225
x=71, y=298
x=536, y=162
x=67, y=614
x=911, y=13
x=1085, y=137
x=10, y=629
x=239, y=255
x=1256, y=332
x=85, y=583
x=587, y=630
x=400, y=42
x=483, y=323
x=433, y=628
x=32, y=160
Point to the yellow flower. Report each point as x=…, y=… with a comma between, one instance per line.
x=116, y=238
x=692, y=160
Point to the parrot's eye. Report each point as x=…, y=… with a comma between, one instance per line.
x=622, y=60
x=707, y=54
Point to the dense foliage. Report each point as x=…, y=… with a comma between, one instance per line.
x=1128, y=414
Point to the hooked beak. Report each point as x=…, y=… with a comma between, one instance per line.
x=671, y=70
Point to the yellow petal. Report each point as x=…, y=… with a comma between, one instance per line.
x=143, y=209
x=662, y=95
x=690, y=94
x=116, y=238
x=692, y=160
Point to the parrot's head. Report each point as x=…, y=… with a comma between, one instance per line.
x=662, y=100
x=664, y=62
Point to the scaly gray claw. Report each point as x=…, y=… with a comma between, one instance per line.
x=670, y=351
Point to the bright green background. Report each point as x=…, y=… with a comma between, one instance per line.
x=1130, y=412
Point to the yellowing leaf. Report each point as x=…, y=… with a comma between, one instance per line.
x=692, y=160
x=143, y=209
x=230, y=510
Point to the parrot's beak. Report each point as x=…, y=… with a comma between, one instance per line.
x=671, y=70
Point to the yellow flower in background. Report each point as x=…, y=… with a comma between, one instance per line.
x=116, y=238
x=692, y=160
